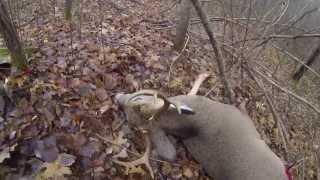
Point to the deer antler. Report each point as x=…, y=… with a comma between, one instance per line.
x=143, y=160
x=156, y=94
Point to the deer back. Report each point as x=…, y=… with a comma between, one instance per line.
x=224, y=140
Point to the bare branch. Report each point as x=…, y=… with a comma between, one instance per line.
x=311, y=59
x=297, y=60
x=176, y=58
x=287, y=28
x=287, y=91
x=282, y=129
x=293, y=36
x=216, y=49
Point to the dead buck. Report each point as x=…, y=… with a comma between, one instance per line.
x=220, y=137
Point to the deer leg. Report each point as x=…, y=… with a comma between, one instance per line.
x=163, y=145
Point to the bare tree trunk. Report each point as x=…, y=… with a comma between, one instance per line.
x=317, y=152
x=68, y=9
x=216, y=49
x=312, y=58
x=183, y=15
x=11, y=38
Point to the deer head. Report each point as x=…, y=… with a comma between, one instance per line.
x=144, y=106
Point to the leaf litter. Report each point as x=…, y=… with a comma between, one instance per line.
x=65, y=124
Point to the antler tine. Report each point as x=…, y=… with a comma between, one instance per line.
x=142, y=160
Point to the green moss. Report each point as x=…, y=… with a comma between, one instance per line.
x=17, y=60
x=4, y=55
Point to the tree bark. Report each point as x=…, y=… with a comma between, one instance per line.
x=312, y=58
x=68, y=9
x=183, y=17
x=216, y=49
x=11, y=38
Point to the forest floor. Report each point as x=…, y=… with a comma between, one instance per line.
x=66, y=125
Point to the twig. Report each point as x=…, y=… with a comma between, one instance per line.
x=282, y=14
x=266, y=28
x=116, y=6
x=282, y=36
x=279, y=36
x=243, y=45
x=169, y=8
x=282, y=129
x=216, y=49
x=176, y=58
x=297, y=60
x=236, y=19
x=288, y=28
x=287, y=91
x=210, y=90
x=311, y=59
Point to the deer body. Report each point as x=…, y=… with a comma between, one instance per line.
x=227, y=144
x=220, y=137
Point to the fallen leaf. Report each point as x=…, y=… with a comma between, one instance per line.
x=110, y=81
x=136, y=170
x=56, y=170
x=4, y=154
x=119, y=141
x=187, y=172
x=105, y=107
x=66, y=159
x=46, y=149
x=102, y=94
x=166, y=168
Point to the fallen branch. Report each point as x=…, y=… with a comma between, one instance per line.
x=195, y=88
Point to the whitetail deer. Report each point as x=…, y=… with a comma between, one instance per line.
x=220, y=137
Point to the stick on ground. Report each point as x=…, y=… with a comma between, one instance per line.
x=201, y=77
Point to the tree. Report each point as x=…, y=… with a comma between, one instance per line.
x=11, y=38
x=67, y=9
x=312, y=58
x=182, y=24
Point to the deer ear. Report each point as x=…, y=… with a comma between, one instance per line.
x=183, y=109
